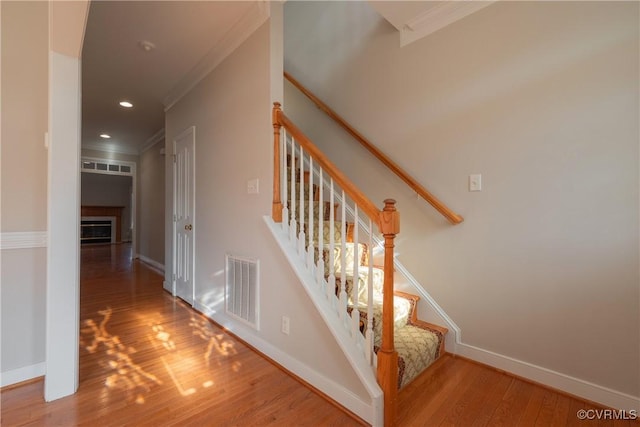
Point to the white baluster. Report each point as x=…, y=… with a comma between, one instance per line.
x=369, y=333
x=310, y=230
x=285, y=210
x=293, y=226
x=320, y=266
x=301, y=213
x=331, y=289
x=355, y=313
x=343, y=259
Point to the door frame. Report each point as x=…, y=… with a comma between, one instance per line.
x=190, y=130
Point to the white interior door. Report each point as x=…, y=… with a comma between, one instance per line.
x=183, y=214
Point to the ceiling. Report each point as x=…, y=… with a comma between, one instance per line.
x=189, y=38
x=115, y=67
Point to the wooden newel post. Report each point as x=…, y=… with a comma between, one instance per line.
x=276, y=210
x=387, y=355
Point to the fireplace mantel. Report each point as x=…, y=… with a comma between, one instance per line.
x=115, y=211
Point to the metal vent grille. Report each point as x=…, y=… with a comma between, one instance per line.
x=109, y=167
x=242, y=290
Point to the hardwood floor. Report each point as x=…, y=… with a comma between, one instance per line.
x=459, y=392
x=147, y=359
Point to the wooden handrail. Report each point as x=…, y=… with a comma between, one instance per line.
x=453, y=217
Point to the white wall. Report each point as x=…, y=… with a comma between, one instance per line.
x=151, y=203
x=66, y=29
x=541, y=98
x=231, y=112
x=24, y=188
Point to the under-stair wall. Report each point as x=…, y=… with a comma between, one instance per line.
x=551, y=124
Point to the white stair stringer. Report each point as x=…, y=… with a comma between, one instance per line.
x=336, y=325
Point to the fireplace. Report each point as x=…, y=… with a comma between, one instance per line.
x=100, y=224
x=98, y=229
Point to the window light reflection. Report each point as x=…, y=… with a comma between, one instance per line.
x=124, y=374
x=178, y=362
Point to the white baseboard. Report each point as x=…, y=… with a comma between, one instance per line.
x=155, y=265
x=22, y=374
x=336, y=391
x=168, y=287
x=575, y=386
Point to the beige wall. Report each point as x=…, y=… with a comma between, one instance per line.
x=23, y=191
x=24, y=115
x=151, y=215
x=23, y=309
x=230, y=110
x=541, y=98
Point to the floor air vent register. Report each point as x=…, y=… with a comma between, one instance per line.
x=242, y=289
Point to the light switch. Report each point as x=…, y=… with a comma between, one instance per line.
x=252, y=186
x=285, y=325
x=475, y=182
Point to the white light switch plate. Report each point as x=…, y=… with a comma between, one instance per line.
x=475, y=182
x=285, y=325
x=253, y=186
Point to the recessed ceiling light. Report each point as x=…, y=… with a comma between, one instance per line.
x=105, y=136
x=126, y=104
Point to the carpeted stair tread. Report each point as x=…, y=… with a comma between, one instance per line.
x=417, y=349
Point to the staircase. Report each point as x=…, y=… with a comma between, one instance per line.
x=329, y=226
x=418, y=343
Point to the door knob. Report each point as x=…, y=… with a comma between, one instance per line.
x=188, y=227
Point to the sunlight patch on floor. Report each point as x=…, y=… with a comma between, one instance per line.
x=215, y=340
x=124, y=374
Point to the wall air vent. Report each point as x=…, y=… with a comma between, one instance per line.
x=108, y=167
x=242, y=289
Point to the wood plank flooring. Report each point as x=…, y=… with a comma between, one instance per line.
x=147, y=359
x=459, y=392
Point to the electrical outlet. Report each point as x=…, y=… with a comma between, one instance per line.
x=285, y=325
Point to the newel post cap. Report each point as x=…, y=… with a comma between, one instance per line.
x=276, y=115
x=389, y=218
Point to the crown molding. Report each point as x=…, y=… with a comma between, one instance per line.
x=438, y=17
x=153, y=140
x=255, y=16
